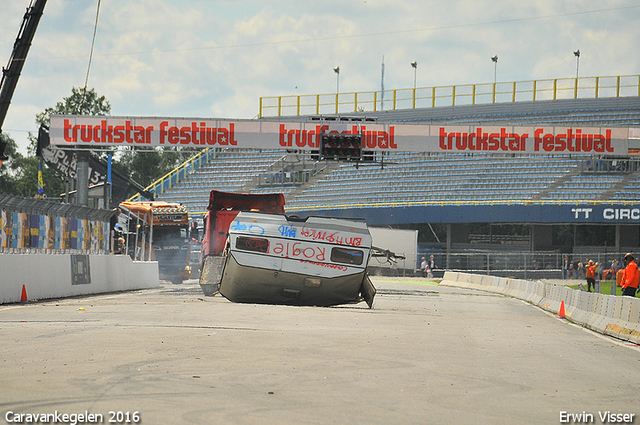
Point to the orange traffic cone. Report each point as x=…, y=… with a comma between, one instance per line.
x=561, y=312
x=23, y=298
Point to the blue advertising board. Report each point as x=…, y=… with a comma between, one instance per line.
x=529, y=213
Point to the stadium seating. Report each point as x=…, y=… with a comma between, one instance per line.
x=424, y=177
x=229, y=171
x=408, y=177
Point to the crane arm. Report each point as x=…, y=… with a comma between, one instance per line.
x=11, y=73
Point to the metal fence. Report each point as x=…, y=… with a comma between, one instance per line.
x=29, y=225
x=525, y=265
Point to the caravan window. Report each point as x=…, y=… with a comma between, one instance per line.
x=347, y=256
x=252, y=244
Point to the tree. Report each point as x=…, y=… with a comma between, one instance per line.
x=20, y=177
x=8, y=168
x=145, y=165
x=81, y=102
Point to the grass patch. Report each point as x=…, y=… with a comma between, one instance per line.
x=605, y=287
x=410, y=280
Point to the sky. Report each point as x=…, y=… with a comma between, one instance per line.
x=216, y=58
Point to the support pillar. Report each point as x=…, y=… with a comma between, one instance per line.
x=82, y=178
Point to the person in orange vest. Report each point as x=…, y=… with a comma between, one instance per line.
x=590, y=274
x=631, y=277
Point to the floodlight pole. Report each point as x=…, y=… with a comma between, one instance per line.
x=415, y=71
x=577, y=55
x=495, y=68
x=337, y=71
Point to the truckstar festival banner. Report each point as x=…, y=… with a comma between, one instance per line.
x=104, y=132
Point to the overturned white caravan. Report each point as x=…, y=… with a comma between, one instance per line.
x=276, y=259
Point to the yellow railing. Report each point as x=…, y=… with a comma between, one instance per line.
x=465, y=94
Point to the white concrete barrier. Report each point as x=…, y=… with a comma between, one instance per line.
x=602, y=309
x=47, y=276
x=607, y=314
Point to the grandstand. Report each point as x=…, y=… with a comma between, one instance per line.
x=406, y=177
x=423, y=177
x=452, y=189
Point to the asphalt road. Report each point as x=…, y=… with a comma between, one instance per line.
x=423, y=355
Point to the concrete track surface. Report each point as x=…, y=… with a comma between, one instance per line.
x=423, y=355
